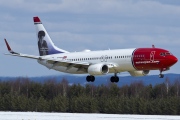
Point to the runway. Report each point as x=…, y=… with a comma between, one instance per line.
x=79, y=116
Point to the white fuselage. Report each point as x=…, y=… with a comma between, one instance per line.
x=122, y=58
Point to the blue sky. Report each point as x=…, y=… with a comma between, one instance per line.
x=75, y=25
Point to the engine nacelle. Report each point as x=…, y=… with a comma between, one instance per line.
x=139, y=73
x=98, y=69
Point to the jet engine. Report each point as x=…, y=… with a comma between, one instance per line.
x=139, y=73
x=98, y=69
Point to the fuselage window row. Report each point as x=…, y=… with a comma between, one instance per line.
x=96, y=58
x=81, y=59
x=126, y=56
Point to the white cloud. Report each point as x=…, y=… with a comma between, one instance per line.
x=7, y=17
x=111, y=7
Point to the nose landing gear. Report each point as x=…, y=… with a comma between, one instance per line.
x=161, y=75
x=161, y=70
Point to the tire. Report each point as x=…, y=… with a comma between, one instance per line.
x=161, y=76
x=116, y=79
x=92, y=78
x=88, y=78
x=112, y=79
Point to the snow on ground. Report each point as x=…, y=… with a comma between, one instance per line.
x=79, y=116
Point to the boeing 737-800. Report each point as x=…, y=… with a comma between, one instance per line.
x=136, y=61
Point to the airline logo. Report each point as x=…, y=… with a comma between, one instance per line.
x=64, y=57
x=152, y=54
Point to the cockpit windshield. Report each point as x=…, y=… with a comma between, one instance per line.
x=162, y=54
x=165, y=53
x=168, y=53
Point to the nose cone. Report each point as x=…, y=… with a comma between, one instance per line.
x=174, y=60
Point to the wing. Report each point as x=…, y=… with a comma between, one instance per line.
x=54, y=62
x=82, y=66
x=19, y=54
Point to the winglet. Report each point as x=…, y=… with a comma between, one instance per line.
x=9, y=48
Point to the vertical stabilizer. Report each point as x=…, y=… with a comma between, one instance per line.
x=45, y=44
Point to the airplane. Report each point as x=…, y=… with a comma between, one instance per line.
x=136, y=61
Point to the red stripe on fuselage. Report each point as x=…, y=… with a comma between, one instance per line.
x=152, y=59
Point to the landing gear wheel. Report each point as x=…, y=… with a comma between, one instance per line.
x=161, y=76
x=114, y=79
x=90, y=78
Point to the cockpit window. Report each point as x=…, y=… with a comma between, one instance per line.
x=165, y=54
x=162, y=54
x=168, y=53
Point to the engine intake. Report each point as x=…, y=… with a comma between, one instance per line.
x=98, y=69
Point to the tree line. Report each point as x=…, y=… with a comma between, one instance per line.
x=51, y=95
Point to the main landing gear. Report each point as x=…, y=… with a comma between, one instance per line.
x=114, y=78
x=90, y=78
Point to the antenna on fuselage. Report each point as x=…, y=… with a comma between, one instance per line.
x=153, y=46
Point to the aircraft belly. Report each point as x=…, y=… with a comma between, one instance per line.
x=73, y=70
x=64, y=69
x=126, y=66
